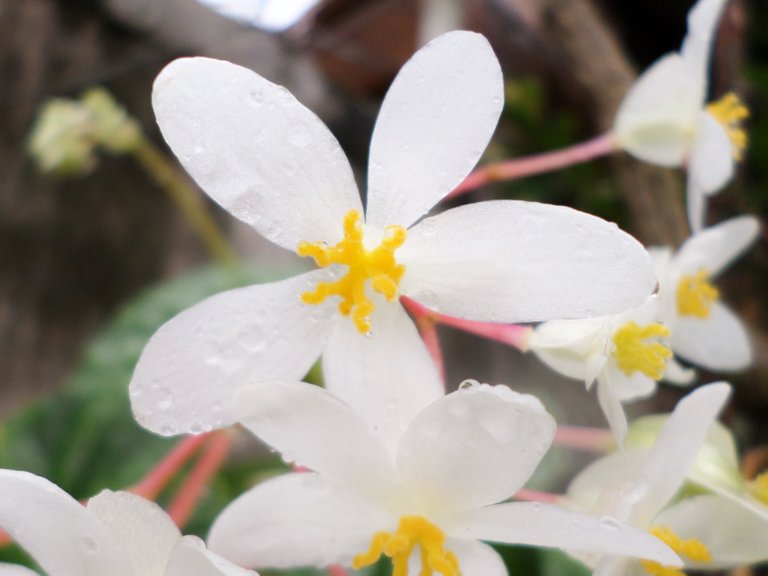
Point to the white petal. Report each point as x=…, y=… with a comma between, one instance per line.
x=610, y=403
x=311, y=427
x=719, y=342
x=141, y=528
x=536, y=524
x=509, y=261
x=675, y=373
x=474, y=447
x=296, y=520
x=677, y=445
x=695, y=204
x=733, y=534
x=15, y=570
x=476, y=558
x=189, y=370
x=190, y=557
x=255, y=150
x=569, y=346
x=433, y=126
x=711, y=164
x=657, y=119
x=387, y=377
x=56, y=530
x=716, y=247
x=702, y=25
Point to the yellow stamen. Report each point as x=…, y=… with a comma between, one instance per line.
x=377, y=265
x=759, y=487
x=690, y=548
x=411, y=531
x=634, y=354
x=731, y=112
x=695, y=295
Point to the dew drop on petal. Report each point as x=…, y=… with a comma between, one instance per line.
x=609, y=523
x=90, y=545
x=165, y=399
x=252, y=339
x=196, y=428
x=167, y=430
x=256, y=98
x=469, y=384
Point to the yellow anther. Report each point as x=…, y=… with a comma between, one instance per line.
x=634, y=354
x=731, y=113
x=695, y=295
x=411, y=531
x=759, y=487
x=690, y=548
x=377, y=265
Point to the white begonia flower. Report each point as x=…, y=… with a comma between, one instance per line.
x=664, y=118
x=116, y=534
x=703, y=330
x=639, y=486
x=438, y=492
x=272, y=163
x=626, y=354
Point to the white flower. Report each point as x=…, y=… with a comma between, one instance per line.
x=116, y=534
x=625, y=353
x=639, y=485
x=703, y=330
x=438, y=491
x=272, y=163
x=664, y=119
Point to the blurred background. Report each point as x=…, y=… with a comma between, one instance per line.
x=91, y=263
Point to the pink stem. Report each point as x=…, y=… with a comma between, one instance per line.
x=157, y=479
x=537, y=496
x=337, y=570
x=210, y=461
x=537, y=164
x=510, y=334
x=584, y=438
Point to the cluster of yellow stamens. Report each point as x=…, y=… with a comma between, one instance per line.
x=695, y=295
x=411, y=531
x=759, y=487
x=633, y=353
x=731, y=112
x=377, y=265
x=691, y=548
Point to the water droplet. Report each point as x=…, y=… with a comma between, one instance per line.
x=369, y=334
x=90, y=545
x=196, y=428
x=252, y=339
x=536, y=506
x=609, y=523
x=256, y=98
x=167, y=430
x=165, y=399
x=134, y=391
x=469, y=384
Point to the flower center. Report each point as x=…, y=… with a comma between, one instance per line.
x=731, y=112
x=411, y=531
x=634, y=354
x=690, y=548
x=695, y=295
x=759, y=487
x=377, y=265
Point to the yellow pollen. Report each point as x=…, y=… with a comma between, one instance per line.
x=759, y=487
x=377, y=265
x=634, y=354
x=411, y=531
x=695, y=295
x=690, y=548
x=731, y=112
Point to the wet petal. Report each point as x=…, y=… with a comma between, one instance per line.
x=711, y=164
x=535, y=524
x=474, y=447
x=717, y=246
x=144, y=532
x=189, y=370
x=659, y=114
x=610, y=403
x=56, y=530
x=509, y=261
x=311, y=427
x=476, y=558
x=191, y=557
x=297, y=520
x=387, y=377
x=255, y=150
x=433, y=126
x=702, y=26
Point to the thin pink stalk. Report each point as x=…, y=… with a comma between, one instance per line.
x=216, y=450
x=537, y=164
x=336, y=570
x=584, y=438
x=537, y=496
x=158, y=478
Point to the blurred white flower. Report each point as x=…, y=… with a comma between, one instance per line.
x=626, y=354
x=272, y=163
x=116, y=534
x=437, y=491
x=664, y=118
x=704, y=331
x=639, y=486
